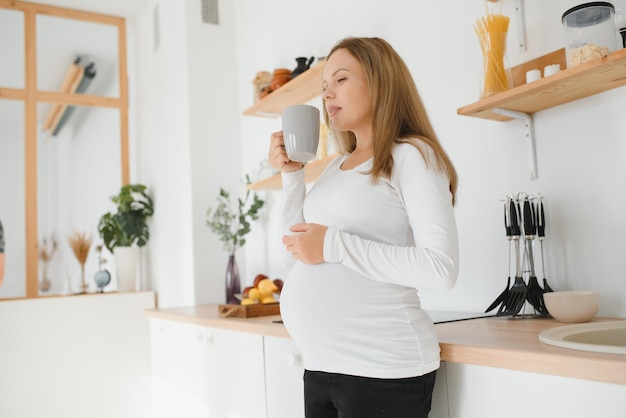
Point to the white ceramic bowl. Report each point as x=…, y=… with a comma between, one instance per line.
x=573, y=305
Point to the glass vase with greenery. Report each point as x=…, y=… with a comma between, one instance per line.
x=231, y=223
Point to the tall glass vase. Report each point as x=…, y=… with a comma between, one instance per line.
x=233, y=284
x=496, y=75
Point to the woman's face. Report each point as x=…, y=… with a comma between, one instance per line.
x=346, y=93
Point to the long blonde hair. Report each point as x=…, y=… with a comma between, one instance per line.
x=398, y=114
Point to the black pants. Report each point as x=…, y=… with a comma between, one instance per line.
x=331, y=395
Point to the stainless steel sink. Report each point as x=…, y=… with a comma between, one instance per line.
x=599, y=337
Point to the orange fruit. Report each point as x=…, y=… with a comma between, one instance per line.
x=267, y=287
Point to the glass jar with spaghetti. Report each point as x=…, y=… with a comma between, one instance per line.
x=492, y=34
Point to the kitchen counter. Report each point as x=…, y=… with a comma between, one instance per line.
x=493, y=342
x=207, y=315
x=514, y=344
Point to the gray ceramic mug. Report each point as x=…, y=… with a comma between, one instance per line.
x=301, y=132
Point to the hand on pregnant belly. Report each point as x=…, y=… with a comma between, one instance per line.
x=307, y=243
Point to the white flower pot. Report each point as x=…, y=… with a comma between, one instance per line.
x=126, y=260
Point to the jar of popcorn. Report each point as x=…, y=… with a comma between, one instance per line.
x=589, y=30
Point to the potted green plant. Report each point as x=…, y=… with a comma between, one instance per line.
x=231, y=224
x=124, y=231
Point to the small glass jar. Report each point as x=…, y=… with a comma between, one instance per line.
x=589, y=30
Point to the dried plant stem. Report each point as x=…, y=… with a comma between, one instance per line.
x=80, y=243
x=45, y=255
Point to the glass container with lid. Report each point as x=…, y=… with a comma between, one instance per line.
x=589, y=31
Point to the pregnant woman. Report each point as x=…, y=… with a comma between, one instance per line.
x=376, y=226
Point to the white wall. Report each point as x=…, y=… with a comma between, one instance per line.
x=581, y=147
x=192, y=139
x=189, y=144
x=163, y=160
x=215, y=138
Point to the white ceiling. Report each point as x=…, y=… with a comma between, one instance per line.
x=121, y=8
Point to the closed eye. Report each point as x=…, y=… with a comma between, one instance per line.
x=339, y=80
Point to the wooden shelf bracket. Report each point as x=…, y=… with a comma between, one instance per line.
x=529, y=131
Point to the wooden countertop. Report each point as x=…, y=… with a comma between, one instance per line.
x=508, y=343
x=493, y=342
x=207, y=315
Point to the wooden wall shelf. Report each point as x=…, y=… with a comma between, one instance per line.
x=571, y=84
x=301, y=89
x=311, y=172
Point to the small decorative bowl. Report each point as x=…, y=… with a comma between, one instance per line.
x=573, y=305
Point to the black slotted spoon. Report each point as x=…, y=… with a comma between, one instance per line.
x=541, y=233
x=507, y=226
x=516, y=297
x=535, y=291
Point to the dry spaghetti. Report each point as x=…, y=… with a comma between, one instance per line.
x=492, y=31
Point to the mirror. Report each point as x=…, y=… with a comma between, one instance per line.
x=12, y=189
x=64, y=153
x=78, y=170
x=65, y=43
x=12, y=53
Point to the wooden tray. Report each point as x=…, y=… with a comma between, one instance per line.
x=248, y=311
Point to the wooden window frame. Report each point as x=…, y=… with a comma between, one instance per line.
x=31, y=96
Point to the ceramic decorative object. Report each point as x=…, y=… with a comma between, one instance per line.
x=261, y=84
x=126, y=268
x=102, y=276
x=279, y=78
x=303, y=65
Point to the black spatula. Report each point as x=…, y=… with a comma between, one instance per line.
x=535, y=292
x=507, y=226
x=516, y=297
x=541, y=233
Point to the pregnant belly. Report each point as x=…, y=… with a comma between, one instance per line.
x=325, y=299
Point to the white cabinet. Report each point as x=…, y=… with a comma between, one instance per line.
x=284, y=386
x=487, y=392
x=76, y=356
x=204, y=372
x=180, y=369
x=199, y=371
x=283, y=378
x=237, y=375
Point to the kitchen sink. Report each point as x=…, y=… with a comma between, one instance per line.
x=599, y=337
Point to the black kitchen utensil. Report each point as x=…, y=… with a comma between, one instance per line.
x=507, y=227
x=502, y=297
x=535, y=291
x=516, y=297
x=541, y=233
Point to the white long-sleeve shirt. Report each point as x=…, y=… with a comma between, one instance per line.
x=358, y=312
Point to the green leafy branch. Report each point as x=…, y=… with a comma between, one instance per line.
x=128, y=225
x=232, y=225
